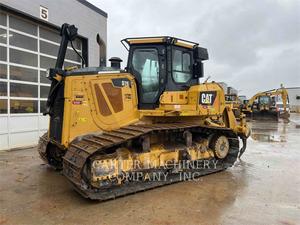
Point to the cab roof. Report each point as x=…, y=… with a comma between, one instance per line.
x=162, y=39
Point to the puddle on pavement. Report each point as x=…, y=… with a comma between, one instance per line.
x=269, y=132
x=268, y=138
x=242, y=163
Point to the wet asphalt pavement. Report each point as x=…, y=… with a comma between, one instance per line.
x=262, y=188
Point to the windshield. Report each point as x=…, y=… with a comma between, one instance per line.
x=182, y=71
x=264, y=100
x=145, y=62
x=230, y=98
x=242, y=98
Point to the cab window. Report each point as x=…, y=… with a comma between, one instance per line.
x=264, y=100
x=146, y=63
x=182, y=69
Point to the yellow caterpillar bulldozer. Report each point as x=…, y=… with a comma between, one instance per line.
x=115, y=132
x=233, y=101
x=263, y=105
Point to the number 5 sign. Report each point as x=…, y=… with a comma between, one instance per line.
x=43, y=13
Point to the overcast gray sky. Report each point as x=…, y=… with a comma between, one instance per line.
x=254, y=45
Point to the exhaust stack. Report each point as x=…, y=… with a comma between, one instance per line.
x=115, y=62
x=102, y=50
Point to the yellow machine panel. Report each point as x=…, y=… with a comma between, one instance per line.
x=95, y=105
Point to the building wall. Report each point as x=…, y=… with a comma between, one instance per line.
x=89, y=22
x=294, y=98
x=224, y=86
x=231, y=90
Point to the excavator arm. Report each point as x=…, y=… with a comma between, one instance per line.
x=282, y=91
x=284, y=95
x=251, y=100
x=284, y=99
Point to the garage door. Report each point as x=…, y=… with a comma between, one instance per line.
x=27, y=49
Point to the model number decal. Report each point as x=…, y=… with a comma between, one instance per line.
x=207, y=97
x=121, y=82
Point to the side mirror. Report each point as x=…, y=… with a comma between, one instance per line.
x=200, y=54
x=198, y=69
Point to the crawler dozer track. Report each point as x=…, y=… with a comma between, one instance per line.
x=82, y=151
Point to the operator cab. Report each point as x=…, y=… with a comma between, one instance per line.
x=163, y=64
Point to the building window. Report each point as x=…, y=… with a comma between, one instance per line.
x=23, y=90
x=24, y=74
x=43, y=106
x=3, y=53
x=22, y=25
x=21, y=57
x=44, y=90
x=3, y=36
x=3, y=88
x=22, y=41
x=71, y=55
x=23, y=106
x=43, y=78
x=3, y=71
x=2, y=19
x=77, y=43
x=46, y=62
x=3, y=106
x=49, y=35
x=48, y=48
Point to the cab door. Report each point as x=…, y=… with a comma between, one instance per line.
x=147, y=64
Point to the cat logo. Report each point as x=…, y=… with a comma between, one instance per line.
x=207, y=97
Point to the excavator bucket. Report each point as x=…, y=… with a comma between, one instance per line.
x=265, y=115
x=285, y=116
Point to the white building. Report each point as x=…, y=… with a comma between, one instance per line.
x=29, y=42
x=294, y=98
